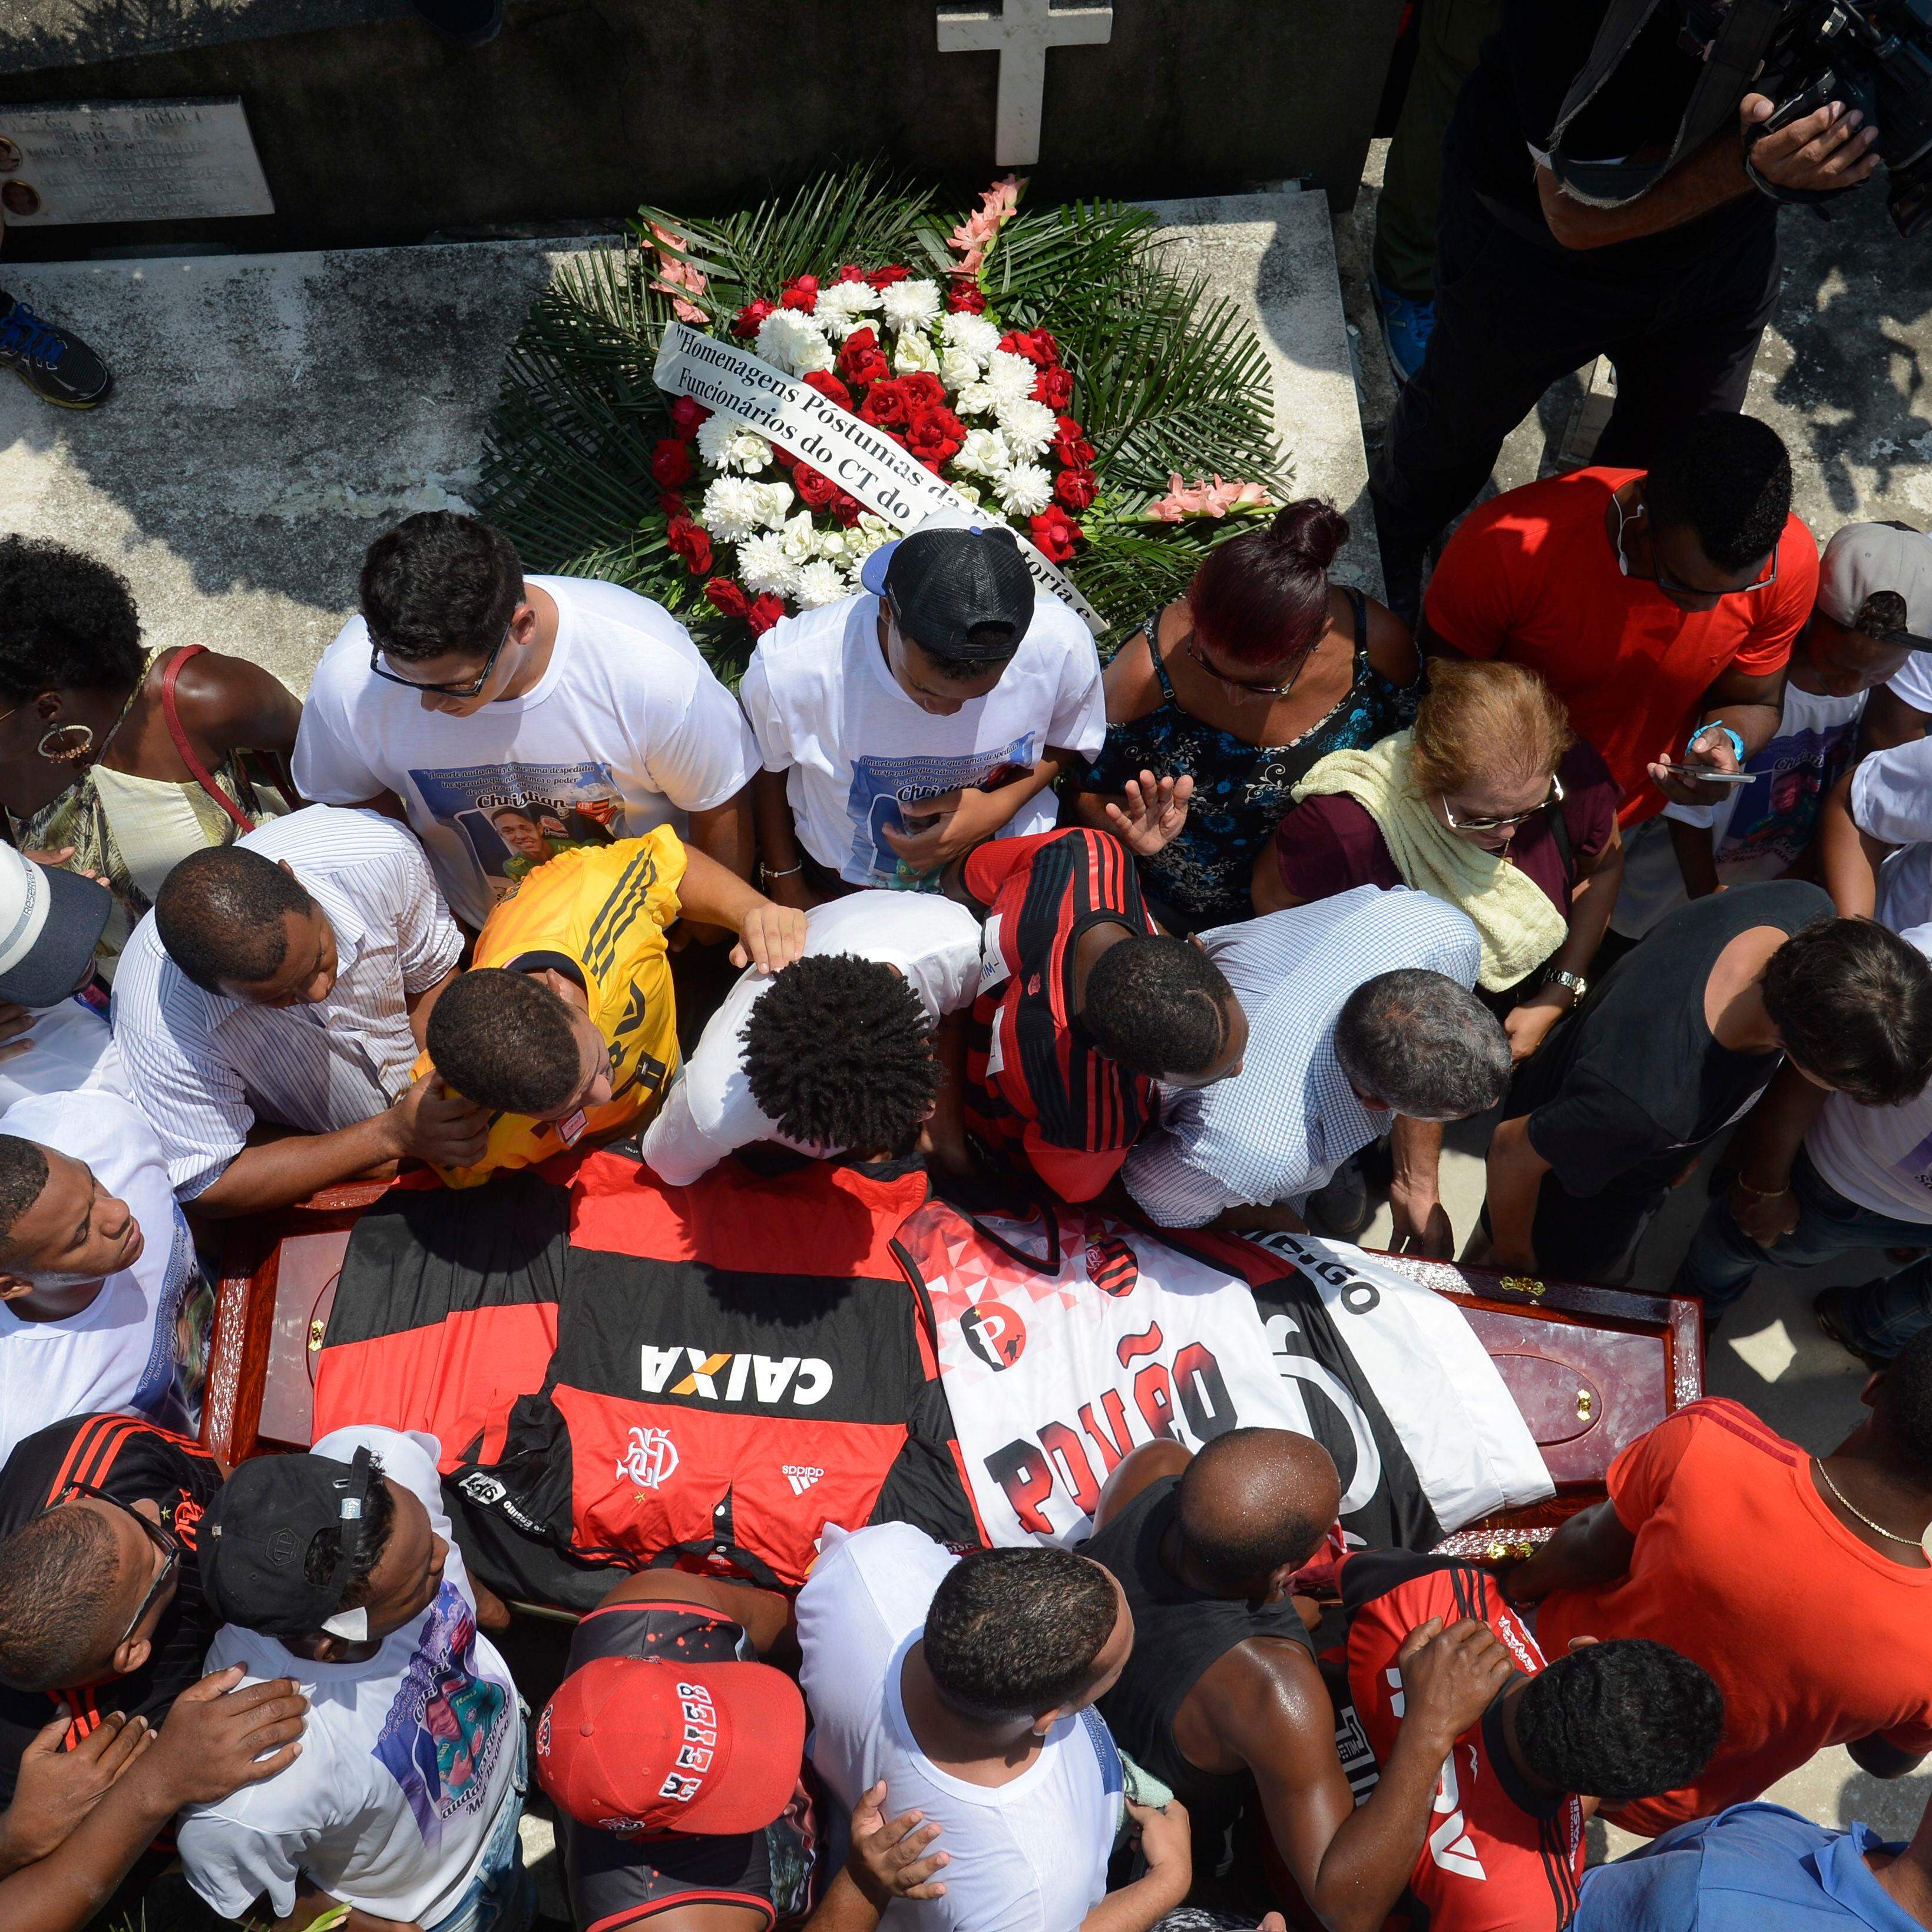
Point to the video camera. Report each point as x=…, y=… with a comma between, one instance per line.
x=1873, y=55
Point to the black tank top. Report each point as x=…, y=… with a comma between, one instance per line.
x=1177, y=1633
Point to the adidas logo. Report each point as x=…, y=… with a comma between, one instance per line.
x=800, y=1478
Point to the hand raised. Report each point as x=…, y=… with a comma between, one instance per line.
x=1155, y=811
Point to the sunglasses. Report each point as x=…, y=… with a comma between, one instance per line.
x=1234, y=687
x=474, y=688
x=1672, y=586
x=165, y=1540
x=1515, y=818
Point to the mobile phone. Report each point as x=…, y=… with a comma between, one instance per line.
x=1705, y=772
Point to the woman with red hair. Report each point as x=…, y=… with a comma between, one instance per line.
x=1220, y=704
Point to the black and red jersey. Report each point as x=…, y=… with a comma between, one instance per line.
x=1036, y=1085
x=1499, y=1857
x=133, y=1460
x=616, y=1880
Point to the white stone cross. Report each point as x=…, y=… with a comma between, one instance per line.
x=1020, y=33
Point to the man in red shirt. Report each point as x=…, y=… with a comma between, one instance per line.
x=1659, y=605
x=1723, y=1539
x=1505, y=1852
x=1084, y=1006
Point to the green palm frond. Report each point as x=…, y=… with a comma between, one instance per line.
x=1166, y=378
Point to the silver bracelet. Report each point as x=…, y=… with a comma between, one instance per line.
x=766, y=873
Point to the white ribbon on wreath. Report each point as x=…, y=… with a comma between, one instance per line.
x=862, y=460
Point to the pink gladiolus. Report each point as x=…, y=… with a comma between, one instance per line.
x=674, y=275
x=974, y=235
x=1205, y=500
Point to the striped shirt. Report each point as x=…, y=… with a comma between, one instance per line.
x=1281, y=1126
x=204, y=1068
x=1036, y=1084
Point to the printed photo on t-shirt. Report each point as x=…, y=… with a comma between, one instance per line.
x=516, y=817
x=1775, y=815
x=901, y=792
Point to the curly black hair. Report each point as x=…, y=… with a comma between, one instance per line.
x=439, y=585
x=23, y=1178
x=838, y=1051
x=58, y=1576
x=1157, y=1005
x=1904, y=1404
x=502, y=1040
x=325, y=1546
x=67, y=622
x=1623, y=1719
x=219, y=915
x=1729, y=477
x=1014, y=1633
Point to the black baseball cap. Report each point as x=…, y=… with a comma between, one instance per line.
x=940, y=584
x=253, y=1542
x=50, y=921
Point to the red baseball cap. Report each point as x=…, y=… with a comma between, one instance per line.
x=643, y=1744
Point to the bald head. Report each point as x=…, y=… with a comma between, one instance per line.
x=1253, y=1502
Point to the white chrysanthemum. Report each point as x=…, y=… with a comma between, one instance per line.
x=913, y=352
x=763, y=565
x=975, y=399
x=1028, y=428
x=1025, y=490
x=956, y=367
x=790, y=340
x=747, y=452
x=714, y=438
x=911, y=304
x=821, y=583
x=800, y=539
x=774, y=503
x=731, y=510
x=1010, y=378
x=984, y=453
x=842, y=307
x=972, y=334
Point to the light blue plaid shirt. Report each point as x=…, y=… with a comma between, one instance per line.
x=1282, y=1125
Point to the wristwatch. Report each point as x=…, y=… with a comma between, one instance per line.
x=1576, y=985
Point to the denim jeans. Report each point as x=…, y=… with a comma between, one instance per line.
x=1879, y=1318
x=501, y=1896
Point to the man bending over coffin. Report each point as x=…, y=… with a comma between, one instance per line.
x=1222, y=1695
x=566, y=1026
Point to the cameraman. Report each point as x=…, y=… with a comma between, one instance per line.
x=1607, y=246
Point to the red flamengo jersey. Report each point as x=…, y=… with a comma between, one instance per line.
x=1497, y=1857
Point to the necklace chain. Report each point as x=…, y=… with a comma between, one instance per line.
x=1891, y=1535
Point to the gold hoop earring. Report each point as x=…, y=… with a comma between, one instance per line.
x=67, y=755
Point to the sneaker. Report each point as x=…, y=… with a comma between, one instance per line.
x=54, y=363
x=1829, y=1311
x=475, y=23
x=1406, y=327
x=1341, y=1209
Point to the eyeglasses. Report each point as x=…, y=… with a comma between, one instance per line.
x=1515, y=818
x=474, y=688
x=165, y=1540
x=1671, y=587
x=1234, y=687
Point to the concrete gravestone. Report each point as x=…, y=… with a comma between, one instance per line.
x=1020, y=31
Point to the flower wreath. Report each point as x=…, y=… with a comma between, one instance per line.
x=1051, y=368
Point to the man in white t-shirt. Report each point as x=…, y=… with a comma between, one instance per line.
x=337, y=1569
x=839, y=1045
x=465, y=687
x=1851, y=645
x=97, y=1272
x=1824, y=1176
x=51, y=1042
x=903, y=726
x=967, y=1685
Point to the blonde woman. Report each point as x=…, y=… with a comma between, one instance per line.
x=1489, y=802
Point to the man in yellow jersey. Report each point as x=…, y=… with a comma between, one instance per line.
x=565, y=1026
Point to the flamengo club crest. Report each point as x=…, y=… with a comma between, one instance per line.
x=1110, y=1266
x=651, y=1459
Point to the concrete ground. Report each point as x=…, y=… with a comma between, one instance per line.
x=1842, y=375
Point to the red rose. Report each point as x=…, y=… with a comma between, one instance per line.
x=828, y=385
x=671, y=466
x=729, y=597
x=784, y=458
x=923, y=390
x=846, y=510
x=1054, y=388
x=1036, y=345
x=763, y=613
x=671, y=504
x=1070, y=446
x=1055, y=533
x=745, y=323
x=930, y=463
x=883, y=278
x=885, y=404
x=691, y=542
x=966, y=297
x=814, y=488
x=802, y=293
x=687, y=418
x=851, y=272
x=933, y=435
x=1075, y=489
x=861, y=360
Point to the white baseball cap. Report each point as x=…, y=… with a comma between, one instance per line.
x=50, y=923
x=1864, y=559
